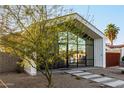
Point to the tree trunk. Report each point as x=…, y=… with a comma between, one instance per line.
x=50, y=83
x=48, y=75
x=111, y=41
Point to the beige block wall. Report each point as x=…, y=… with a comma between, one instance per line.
x=7, y=62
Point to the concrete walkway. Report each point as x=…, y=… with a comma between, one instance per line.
x=112, y=82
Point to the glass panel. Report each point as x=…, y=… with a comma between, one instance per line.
x=72, y=38
x=62, y=53
x=72, y=53
x=81, y=41
x=81, y=54
x=90, y=52
x=62, y=48
x=90, y=41
x=62, y=37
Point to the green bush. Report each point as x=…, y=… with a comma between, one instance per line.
x=58, y=63
x=19, y=68
x=123, y=58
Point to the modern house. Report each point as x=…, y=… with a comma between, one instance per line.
x=90, y=42
x=84, y=46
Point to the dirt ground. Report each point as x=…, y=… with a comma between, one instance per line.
x=110, y=72
x=60, y=80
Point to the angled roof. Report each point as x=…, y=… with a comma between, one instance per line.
x=88, y=24
x=83, y=21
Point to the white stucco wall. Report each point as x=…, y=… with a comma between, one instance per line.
x=122, y=52
x=99, y=53
x=30, y=68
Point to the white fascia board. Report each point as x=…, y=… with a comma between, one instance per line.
x=89, y=25
x=104, y=53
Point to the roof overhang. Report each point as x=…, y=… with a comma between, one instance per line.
x=91, y=30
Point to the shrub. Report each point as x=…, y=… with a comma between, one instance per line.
x=58, y=63
x=78, y=78
x=19, y=68
x=123, y=58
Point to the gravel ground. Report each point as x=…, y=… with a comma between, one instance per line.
x=61, y=80
x=111, y=72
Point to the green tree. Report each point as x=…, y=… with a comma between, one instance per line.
x=33, y=34
x=111, y=32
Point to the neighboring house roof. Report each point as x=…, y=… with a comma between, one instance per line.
x=115, y=46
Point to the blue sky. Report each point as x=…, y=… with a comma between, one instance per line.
x=103, y=15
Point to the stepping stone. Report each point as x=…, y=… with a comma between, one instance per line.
x=71, y=72
x=107, y=81
x=115, y=83
x=91, y=76
x=112, y=82
x=120, y=86
x=95, y=77
x=102, y=79
x=82, y=74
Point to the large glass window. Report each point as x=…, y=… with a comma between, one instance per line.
x=76, y=50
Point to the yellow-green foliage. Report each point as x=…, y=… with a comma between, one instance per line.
x=38, y=38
